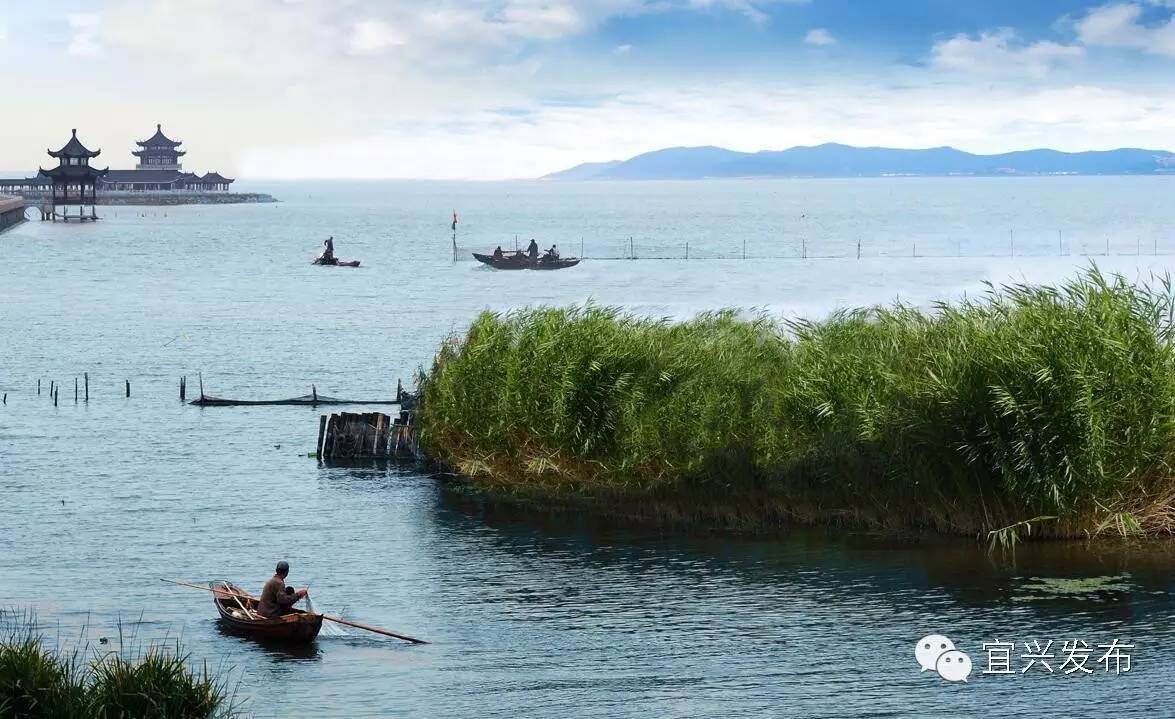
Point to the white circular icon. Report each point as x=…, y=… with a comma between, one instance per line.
x=954, y=666
x=929, y=649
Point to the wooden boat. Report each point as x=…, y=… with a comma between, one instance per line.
x=522, y=261
x=238, y=613
x=335, y=262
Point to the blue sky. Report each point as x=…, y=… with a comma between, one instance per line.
x=516, y=88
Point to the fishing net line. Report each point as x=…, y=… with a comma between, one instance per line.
x=329, y=628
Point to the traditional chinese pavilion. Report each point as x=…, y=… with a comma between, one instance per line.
x=157, y=170
x=75, y=182
x=159, y=152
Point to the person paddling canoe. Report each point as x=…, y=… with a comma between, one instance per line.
x=276, y=598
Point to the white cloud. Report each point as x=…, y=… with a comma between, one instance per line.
x=373, y=36
x=1121, y=25
x=622, y=49
x=85, y=27
x=541, y=20
x=1001, y=52
x=819, y=36
x=756, y=10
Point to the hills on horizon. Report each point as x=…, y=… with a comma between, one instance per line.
x=836, y=160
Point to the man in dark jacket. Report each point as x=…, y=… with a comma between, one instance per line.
x=274, y=598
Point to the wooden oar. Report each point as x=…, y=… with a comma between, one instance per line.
x=377, y=630
x=337, y=620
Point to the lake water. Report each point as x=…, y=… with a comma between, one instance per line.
x=529, y=615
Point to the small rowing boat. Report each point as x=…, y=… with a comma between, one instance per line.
x=335, y=262
x=522, y=261
x=238, y=613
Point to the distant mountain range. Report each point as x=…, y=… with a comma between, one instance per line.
x=833, y=160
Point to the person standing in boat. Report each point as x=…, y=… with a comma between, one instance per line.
x=498, y=252
x=275, y=598
x=329, y=253
x=533, y=249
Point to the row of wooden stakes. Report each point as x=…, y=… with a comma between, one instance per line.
x=55, y=390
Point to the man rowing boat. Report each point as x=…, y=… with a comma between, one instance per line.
x=276, y=598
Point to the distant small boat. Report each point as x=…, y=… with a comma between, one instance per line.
x=335, y=262
x=238, y=613
x=523, y=261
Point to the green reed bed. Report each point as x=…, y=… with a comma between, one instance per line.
x=38, y=681
x=1049, y=407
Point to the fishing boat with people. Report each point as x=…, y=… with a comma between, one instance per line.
x=238, y=613
x=328, y=256
x=528, y=259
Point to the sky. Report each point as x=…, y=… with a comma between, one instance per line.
x=495, y=89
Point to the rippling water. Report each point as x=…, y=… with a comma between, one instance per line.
x=530, y=615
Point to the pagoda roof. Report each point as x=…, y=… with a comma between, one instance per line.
x=159, y=139
x=150, y=176
x=72, y=172
x=74, y=148
x=215, y=177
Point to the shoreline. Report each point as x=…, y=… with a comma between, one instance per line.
x=664, y=518
x=155, y=199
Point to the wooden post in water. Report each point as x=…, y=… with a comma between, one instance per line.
x=687, y=250
x=128, y=388
x=321, y=435
x=75, y=390
x=201, y=385
x=183, y=387
x=56, y=392
x=314, y=393
x=38, y=386
x=87, y=376
x=858, y=248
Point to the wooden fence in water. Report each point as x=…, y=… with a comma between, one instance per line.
x=367, y=435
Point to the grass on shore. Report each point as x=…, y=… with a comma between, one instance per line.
x=1042, y=403
x=41, y=682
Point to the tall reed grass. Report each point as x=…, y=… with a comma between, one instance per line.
x=1052, y=402
x=38, y=681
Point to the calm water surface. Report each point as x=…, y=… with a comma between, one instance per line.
x=530, y=615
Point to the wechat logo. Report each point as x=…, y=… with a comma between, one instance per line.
x=936, y=653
